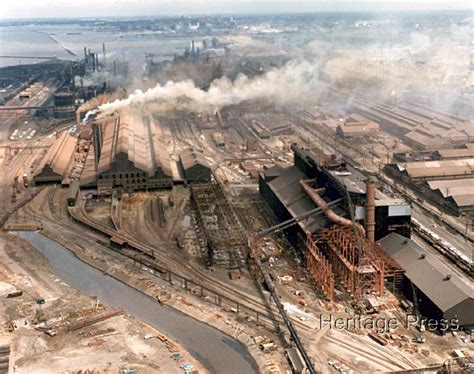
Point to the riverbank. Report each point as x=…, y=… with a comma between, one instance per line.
x=123, y=270
x=115, y=343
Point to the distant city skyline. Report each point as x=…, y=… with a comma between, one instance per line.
x=124, y=8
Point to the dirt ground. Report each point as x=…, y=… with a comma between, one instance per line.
x=124, y=342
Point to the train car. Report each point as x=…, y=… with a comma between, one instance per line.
x=73, y=193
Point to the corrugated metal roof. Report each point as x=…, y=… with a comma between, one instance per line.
x=422, y=169
x=450, y=183
x=58, y=155
x=461, y=190
x=428, y=273
x=456, y=153
x=464, y=200
x=189, y=158
x=138, y=138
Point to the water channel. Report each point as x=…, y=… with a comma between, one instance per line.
x=218, y=352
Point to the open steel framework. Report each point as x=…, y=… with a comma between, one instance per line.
x=223, y=234
x=339, y=254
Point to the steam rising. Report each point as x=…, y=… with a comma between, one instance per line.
x=292, y=83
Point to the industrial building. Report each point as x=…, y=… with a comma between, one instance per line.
x=357, y=126
x=193, y=167
x=440, y=292
x=417, y=125
x=446, y=183
x=55, y=164
x=466, y=151
x=128, y=154
x=338, y=249
x=282, y=190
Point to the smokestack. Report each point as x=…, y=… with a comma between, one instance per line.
x=115, y=68
x=85, y=52
x=72, y=74
x=192, y=48
x=78, y=117
x=370, y=210
x=103, y=51
x=97, y=61
x=89, y=51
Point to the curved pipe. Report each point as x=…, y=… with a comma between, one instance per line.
x=330, y=214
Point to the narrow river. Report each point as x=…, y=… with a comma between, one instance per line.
x=218, y=352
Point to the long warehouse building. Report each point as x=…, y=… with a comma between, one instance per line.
x=55, y=164
x=128, y=154
x=441, y=293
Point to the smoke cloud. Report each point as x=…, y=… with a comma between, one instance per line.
x=290, y=84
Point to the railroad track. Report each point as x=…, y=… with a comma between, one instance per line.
x=163, y=260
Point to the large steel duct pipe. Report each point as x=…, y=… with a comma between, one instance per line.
x=370, y=210
x=330, y=214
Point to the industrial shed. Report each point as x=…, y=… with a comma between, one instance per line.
x=446, y=183
x=441, y=293
x=129, y=154
x=194, y=167
x=54, y=165
x=283, y=193
x=455, y=153
x=431, y=170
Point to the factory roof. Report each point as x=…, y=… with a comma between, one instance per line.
x=189, y=158
x=428, y=272
x=136, y=137
x=288, y=190
x=422, y=169
x=274, y=171
x=464, y=200
x=453, y=187
x=445, y=184
x=420, y=138
x=357, y=128
x=58, y=155
x=467, y=152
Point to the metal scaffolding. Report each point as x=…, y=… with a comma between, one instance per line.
x=223, y=234
x=360, y=266
x=320, y=268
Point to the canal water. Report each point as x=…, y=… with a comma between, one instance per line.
x=218, y=352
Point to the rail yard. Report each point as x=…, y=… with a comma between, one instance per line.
x=237, y=194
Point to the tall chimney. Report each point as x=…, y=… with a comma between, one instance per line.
x=85, y=52
x=192, y=48
x=370, y=210
x=115, y=68
x=103, y=51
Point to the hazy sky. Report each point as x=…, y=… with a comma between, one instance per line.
x=102, y=8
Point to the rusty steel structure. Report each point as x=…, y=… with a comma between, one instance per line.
x=320, y=268
x=223, y=235
x=339, y=254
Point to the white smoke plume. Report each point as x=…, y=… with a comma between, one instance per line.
x=292, y=83
x=88, y=114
